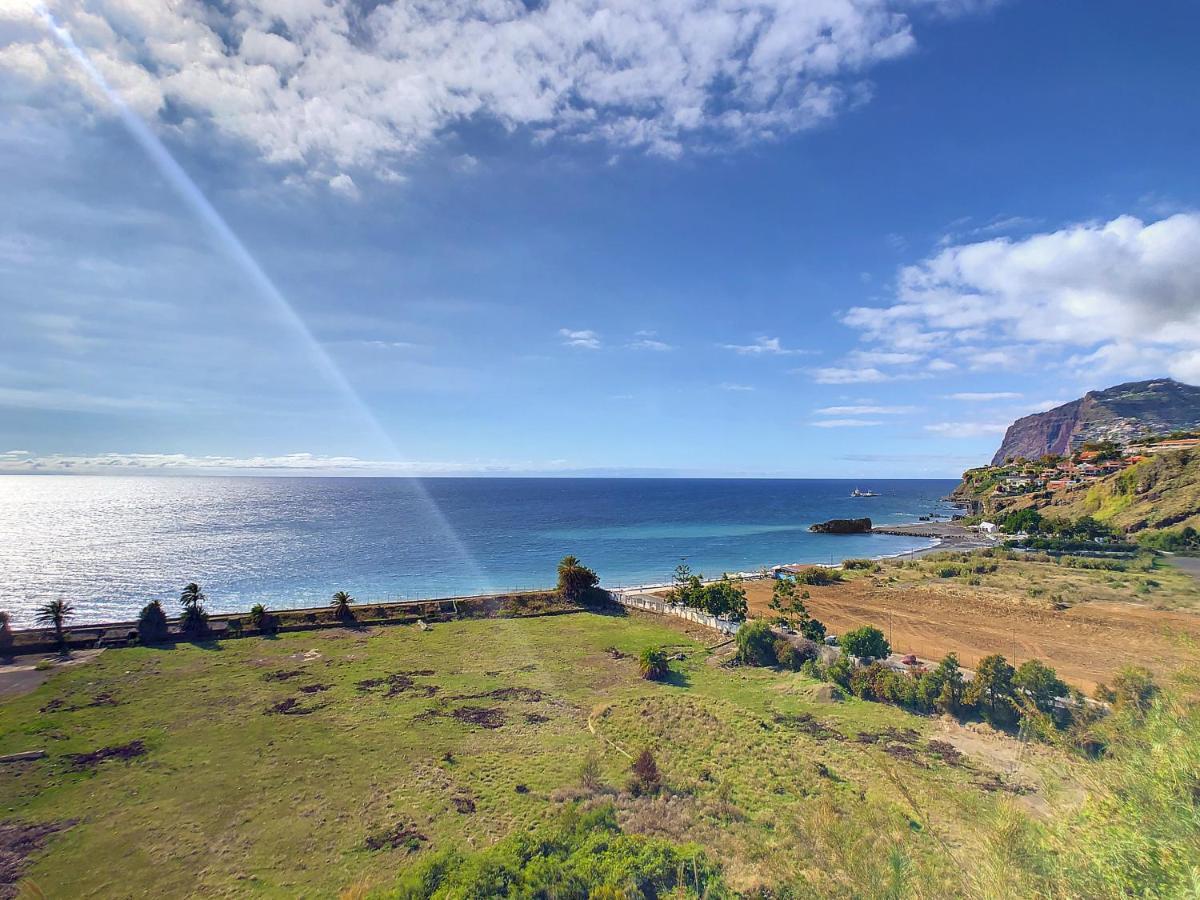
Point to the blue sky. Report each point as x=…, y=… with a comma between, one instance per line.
x=848, y=237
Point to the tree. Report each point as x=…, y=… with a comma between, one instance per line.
x=1028, y=520
x=56, y=613
x=866, y=641
x=575, y=579
x=787, y=601
x=152, y=623
x=653, y=664
x=6, y=636
x=191, y=596
x=725, y=600
x=1040, y=682
x=756, y=644
x=992, y=686
x=341, y=606
x=645, y=778
x=950, y=685
x=194, y=619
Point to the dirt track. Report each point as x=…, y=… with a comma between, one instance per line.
x=1086, y=643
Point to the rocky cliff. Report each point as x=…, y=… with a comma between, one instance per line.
x=1119, y=413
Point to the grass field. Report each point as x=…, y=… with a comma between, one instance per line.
x=273, y=766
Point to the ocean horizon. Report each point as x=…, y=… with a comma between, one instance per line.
x=111, y=544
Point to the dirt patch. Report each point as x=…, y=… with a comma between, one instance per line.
x=399, y=683
x=906, y=752
x=464, y=803
x=521, y=694
x=313, y=688
x=888, y=735
x=290, y=706
x=536, y=718
x=482, y=716
x=60, y=705
x=946, y=752
x=396, y=837
x=118, y=751
x=809, y=725
x=284, y=675
x=19, y=841
x=993, y=783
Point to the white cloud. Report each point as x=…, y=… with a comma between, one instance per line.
x=864, y=410
x=984, y=396
x=648, y=343
x=298, y=463
x=762, y=346
x=730, y=386
x=331, y=86
x=846, y=423
x=1123, y=294
x=966, y=429
x=586, y=338
x=344, y=185
x=850, y=375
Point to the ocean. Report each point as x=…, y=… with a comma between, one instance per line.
x=111, y=543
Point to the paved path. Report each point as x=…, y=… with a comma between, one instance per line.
x=1189, y=564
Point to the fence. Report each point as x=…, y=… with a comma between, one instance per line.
x=650, y=604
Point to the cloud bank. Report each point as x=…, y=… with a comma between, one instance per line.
x=1111, y=297
x=335, y=86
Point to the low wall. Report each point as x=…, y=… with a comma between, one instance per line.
x=662, y=608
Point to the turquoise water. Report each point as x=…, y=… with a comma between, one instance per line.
x=111, y=543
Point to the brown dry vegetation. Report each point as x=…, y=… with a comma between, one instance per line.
x=1111, y=619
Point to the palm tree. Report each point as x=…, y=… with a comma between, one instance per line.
x=6, y=636
x=192, y=596
x=56, y=613
x=341, y=605
x=194, y=620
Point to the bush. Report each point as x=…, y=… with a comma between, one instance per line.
x=152, y=623
x=653, y=664
x=756, y=644
x=867, y=641
x=644, y=777
x=818, y=576
x=868, y=564
x=948, y=572
x=582, y=854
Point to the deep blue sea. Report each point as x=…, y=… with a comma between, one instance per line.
x=111, y=543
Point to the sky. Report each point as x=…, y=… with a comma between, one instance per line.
x=838, y=238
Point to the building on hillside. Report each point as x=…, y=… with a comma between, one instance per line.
x=1165, y=446
x=987, y=527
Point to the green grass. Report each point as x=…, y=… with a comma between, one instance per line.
x=230, y=800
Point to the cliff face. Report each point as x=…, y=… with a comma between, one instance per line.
x=1119, y=413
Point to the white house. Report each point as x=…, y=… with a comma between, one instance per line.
x=987, y=527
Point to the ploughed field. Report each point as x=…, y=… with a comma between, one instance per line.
x=318, y=762
x=1086, y=623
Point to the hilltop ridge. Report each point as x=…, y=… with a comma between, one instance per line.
x=1121, y=414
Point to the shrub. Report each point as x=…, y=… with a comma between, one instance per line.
x=653, y=664
x=581, y=854
x=948, y=571
x=756, y=644
x=644, y=778
x=590, y=775
x=867, y=641
x=152, y=623
x=785, y=654
x=868, y=564
x=819, y=575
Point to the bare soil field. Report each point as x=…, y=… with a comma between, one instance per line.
x=1087, y=642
